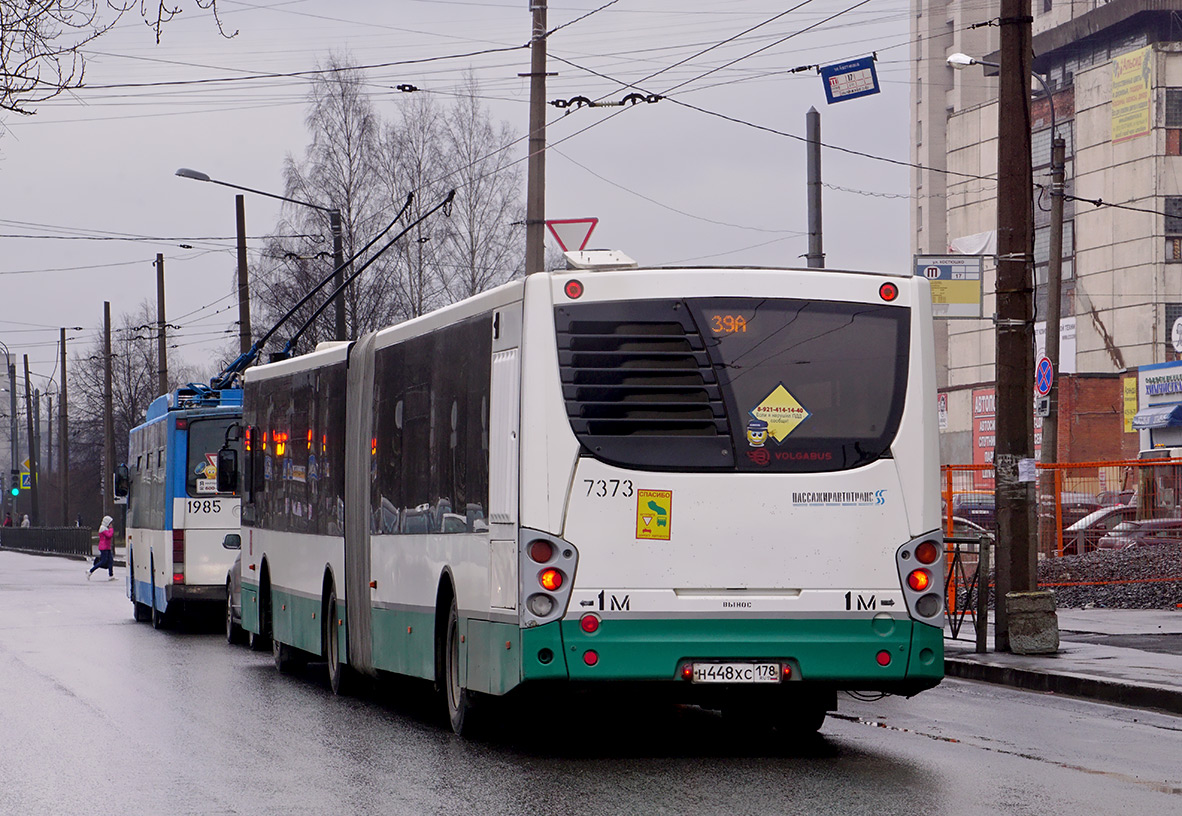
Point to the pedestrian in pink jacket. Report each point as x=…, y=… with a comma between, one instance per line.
x=106, y=553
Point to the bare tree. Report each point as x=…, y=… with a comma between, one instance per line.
x=484, y=246
x=412, y=159
x=336, y=171
x=133, y=387
x=41, y=42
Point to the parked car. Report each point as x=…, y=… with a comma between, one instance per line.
x=1142, y=533
x=976, y=506
x=1076, y=506
x=1109, y=498
x=1083, y=535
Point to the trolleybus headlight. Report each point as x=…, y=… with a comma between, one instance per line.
x=919, y=580
x=550, y=579
x=929, y=605
x=541, y=550
x=541, y=605
x=927, y=552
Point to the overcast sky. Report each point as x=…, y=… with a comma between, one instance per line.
x=670, y=184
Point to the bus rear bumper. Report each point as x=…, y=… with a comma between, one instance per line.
x=195, y=594
x=835, y=653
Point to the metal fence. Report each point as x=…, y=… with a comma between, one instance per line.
x=1078, y=503
x=55, y=540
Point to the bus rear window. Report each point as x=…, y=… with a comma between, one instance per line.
x=748, y=384
x=206, y=438
x=809, y=385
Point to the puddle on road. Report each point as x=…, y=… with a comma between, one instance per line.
x=1156, y=787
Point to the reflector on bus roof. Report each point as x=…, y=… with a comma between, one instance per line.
x=595, y=259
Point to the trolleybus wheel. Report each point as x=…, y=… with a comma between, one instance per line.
x=139, y=611
x=340, y=676
x=233, y=630
x=156, y=615
x=459, y=699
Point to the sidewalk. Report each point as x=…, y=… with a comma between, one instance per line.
x=1127, y=656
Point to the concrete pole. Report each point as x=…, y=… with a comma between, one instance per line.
x=63, y=430
x=161, y=335
x=36, y=510
x=816, y=256
x=244, y=341
x=16, y=428
x=1015, y=335
x=108, y=475
x=535, y=199
x=338, y=260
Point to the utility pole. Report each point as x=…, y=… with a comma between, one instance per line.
x=16, y=428
x=161, y=338
x=1015, y=339
x=63, y=429
x=535, y=198
x=108, y=474
x=1050, y=423
x=36, y=514
x=338, y=260
x=49, y=434
x=816, y=256
x=244, y=341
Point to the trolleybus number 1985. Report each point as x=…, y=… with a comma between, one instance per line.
x=203, y=506
x=736, y=673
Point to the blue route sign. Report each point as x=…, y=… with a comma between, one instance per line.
x=1044, y=375
x=849, y=80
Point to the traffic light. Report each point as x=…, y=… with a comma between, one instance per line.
x=14, y=488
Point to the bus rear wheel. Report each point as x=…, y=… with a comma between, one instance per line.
x=459, y=699
x=340, y=676
x=156, y=615
x=233, y=630
x=139, y=611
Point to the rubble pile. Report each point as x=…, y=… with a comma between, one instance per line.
x=1136, y=578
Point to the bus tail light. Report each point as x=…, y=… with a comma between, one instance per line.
x=919, y=580
x=541, y=550
x=550, y=579
x=922, y=570
x=927, y=552
x=589, y=623
x=543, y=577
x=178, y=556
x=883, y=658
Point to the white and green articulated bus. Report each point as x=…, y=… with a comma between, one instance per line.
x=719, y=486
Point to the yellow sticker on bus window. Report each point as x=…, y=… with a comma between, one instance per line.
x=782, y=413
x=654, y=514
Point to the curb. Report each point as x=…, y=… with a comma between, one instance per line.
x=1075, y=685
x=119, y=562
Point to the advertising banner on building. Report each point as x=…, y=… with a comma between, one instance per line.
x=1132, y=80
x=985, y=435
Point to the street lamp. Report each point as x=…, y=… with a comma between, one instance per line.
x=1014, y=307
x=334, y=220
x=1050, y=412
x=12, y=412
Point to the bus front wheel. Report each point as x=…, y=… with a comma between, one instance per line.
x=459, y=699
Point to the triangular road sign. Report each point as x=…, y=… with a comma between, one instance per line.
x=572, y=234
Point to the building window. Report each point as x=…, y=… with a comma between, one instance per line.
x=1046, y=6
x=1173, y=228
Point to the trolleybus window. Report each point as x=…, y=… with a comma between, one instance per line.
x=206, y=438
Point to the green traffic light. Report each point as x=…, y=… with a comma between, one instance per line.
x=14, y=491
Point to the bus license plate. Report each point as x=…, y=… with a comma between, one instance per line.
x=736, y=672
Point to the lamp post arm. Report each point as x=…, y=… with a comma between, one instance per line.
x=271, y=195
x=1050, y=100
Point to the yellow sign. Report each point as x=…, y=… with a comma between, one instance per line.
x=781, y=412
x=654, y=514
x=1129, y=389
x=1132, y=78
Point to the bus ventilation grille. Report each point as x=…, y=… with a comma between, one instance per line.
x=639, y=386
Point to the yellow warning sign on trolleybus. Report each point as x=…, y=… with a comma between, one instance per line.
x=654, y=514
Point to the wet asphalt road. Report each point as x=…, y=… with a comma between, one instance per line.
x=99, y=714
